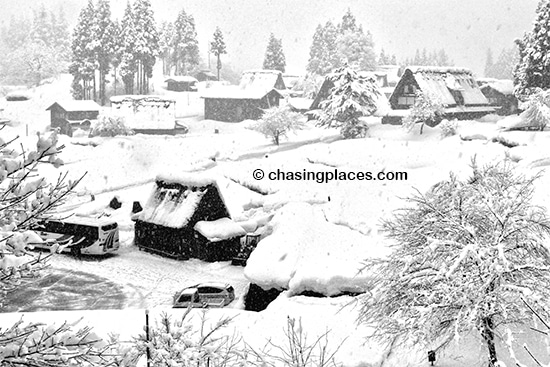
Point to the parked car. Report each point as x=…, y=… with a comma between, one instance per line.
x=205, y=295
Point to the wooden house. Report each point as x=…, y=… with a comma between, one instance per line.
x=182, y=83
x=146, y=114
x=234, y=104
x=187, y=217
x=205, y=75
x=456, y=88
x=500, y=94
x=67, y=115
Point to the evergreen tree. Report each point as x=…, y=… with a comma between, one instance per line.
x=186, y=49
x=352, y=96
x=104, y=42
x=82, y=61
x=417, y=58
x=127, y=45
x=61, y=35
x=357, y=50
x=146, y=44
x=42, y=27
x=166, y=42
x=533, y=68
x=383, y=59
x=393, y=60
x=274, y=57
x=443, y=59
x=489, y=63
x=17, y=33
x=217, y=47
x=503, y=68
x=349, y=24
x=323, y=53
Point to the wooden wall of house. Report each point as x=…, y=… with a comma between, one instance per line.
x=215, y=251
x=403, y=95
x=508, y=104
x=171, y=242
x=232, y=110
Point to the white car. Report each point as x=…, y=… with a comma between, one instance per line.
x=205, y=295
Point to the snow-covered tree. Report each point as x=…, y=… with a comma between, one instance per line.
x=166, y=42
x=277, y=122
x=323, y=53
x=357, y=49
x=217, y=47
x=186, y=47
x=40, y=345
x=186, y=342
x=104, y=44
x=349, y=24
x=353, y=95
x=274, y=58
x=127, y=49
x=464, y=256
x=533, y=68
x=537, y=113
x=83, y=61
x=503, y=68
x=146, y=44
x=426, y=110
x=25, y=197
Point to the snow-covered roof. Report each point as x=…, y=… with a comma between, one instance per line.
x=197, y=179
x=77, y=105
x=173, y=205
x=182, y=78
x=147, y=98
x=262, y=79
x=439, y=81
x=219, y=230
x=235, y=92
x=504, y=86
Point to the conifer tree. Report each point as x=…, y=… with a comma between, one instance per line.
x=533, y=68
x=186, y=49
x=166, y=42
x=217, y=47
x=357, y=50
x=146, y=45
x=323, y=54
x=82, y=61
x=104, y=43
x=274, y=57
x=128, y=63
x=349, y=23
x=41, y=27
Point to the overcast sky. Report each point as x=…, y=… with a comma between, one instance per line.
x=465, y=28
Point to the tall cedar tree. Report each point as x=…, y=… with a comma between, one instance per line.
x=464, y=256
x=166, y=42
x=217, y=47
x=274, y=58
x=146, y=46
x=186, y=47
x=83, y=62
x=503, y=68
x=352, y=96
x=104, y=44
x=127, y=49
x=533, y=68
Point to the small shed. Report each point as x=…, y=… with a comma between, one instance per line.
x=500, y=94
x=205, y=76
x=186, y=217
x=182, y=83
x=235, y=104
x=69, y=114
x=456, y=88
x=146, y=114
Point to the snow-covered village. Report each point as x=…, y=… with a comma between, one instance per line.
x=259, y=183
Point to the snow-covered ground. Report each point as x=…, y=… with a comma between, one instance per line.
x=319, y=232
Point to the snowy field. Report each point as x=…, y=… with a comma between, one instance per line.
x=319, y=233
